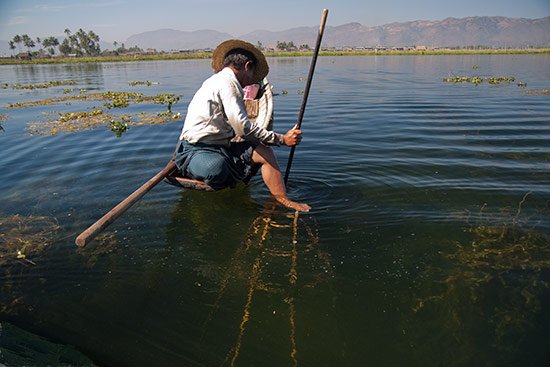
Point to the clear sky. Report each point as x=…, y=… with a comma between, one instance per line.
x=116, y=20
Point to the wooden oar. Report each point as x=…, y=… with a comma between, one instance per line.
x=92, y=231
x=308, y=85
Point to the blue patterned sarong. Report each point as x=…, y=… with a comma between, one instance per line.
x=216, y=165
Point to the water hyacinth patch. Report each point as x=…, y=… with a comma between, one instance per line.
x=54, y=83
x=168, y=99
x=141, y=82
x=119, y=126
x=478, y=80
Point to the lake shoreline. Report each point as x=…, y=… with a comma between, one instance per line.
x=207, y=55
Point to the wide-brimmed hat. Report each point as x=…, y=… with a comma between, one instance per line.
x=260, y=67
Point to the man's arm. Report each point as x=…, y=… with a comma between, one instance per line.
x=235, y=112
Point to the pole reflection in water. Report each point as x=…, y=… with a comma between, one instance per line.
x=267, y=261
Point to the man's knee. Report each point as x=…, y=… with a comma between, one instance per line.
x=263, y=154
x=210, y=168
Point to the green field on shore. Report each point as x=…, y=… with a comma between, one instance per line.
x=206, y=55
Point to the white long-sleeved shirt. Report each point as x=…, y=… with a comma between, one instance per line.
x=217, y=113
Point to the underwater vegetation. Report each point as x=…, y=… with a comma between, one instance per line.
x=22, y=238
x=502, y=272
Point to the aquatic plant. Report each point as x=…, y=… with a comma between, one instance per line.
x=72, y=122
x=121, y=99
x=113, y=99
x=497, y=276
x=141, y=82
x=22, y=238
x=107, y=244
x=119, y=126
x=168, y=99
x=69, y=122
x=54, y=83
x=267, y=262
x=543, y=91
x=478, y=80
x=64, y=117
x=82, y=120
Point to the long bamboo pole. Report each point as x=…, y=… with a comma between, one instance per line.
x=89, y=234
x=308, y=86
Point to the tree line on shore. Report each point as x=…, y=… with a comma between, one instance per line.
x=81, y=43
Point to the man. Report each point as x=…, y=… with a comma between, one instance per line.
x=217, y=113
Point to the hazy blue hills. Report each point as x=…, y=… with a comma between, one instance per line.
x=450, y=32
x=170, y=39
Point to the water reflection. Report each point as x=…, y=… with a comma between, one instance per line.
x=277, y=257
x=85, y=73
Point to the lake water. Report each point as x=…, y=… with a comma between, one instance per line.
x=428, y=243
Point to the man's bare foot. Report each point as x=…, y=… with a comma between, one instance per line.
x=284, y=200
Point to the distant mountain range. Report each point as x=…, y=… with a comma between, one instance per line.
x=450, y=32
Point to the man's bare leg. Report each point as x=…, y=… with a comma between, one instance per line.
x=271, y=174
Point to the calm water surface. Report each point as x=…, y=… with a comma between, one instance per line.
x=428, y=242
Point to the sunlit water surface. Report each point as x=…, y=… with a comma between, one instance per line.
x=428, y=242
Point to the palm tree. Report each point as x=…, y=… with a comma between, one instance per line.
x=93, y=43
x=65, y=47
x=50, y=43
x=17, y=39
x=12, y=46
x=28, y=42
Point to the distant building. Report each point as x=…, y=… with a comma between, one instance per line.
x=23, y=56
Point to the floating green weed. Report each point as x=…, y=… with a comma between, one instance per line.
x=119, y=126
x=112, y=99
x=543, y=91
x=478, y=80
x=121, y=99
x=54, y=83
x=168, y=99
x=141, y=82
x=82, y=120
x=72, y=122
x=64, y=117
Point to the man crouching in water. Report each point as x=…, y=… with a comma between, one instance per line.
x=217, y=113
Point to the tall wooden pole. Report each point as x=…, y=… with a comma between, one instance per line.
x=308, y=86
